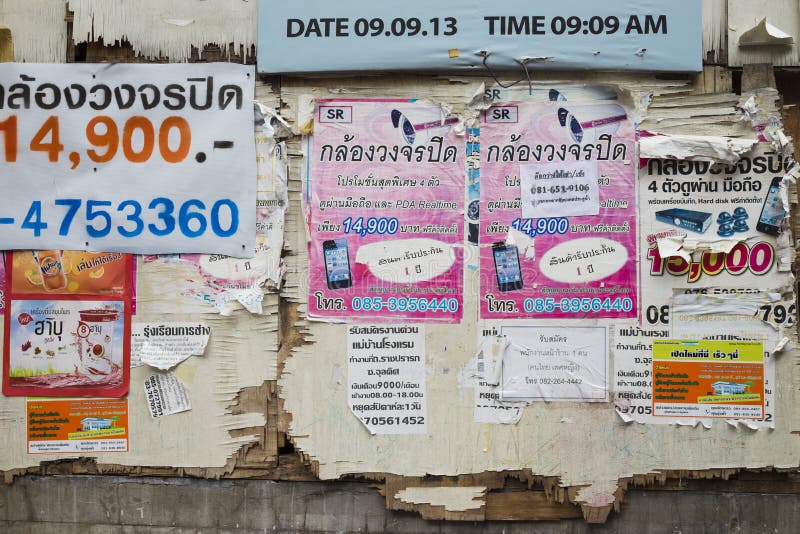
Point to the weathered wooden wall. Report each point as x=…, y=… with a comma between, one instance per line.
x=269, y=399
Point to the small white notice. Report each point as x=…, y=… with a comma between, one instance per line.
x=386, y=378
x=166, y=395
x=555, y=364
x=561, y=189
x=165, y=345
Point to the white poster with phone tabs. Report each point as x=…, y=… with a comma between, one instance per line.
x=710, y=225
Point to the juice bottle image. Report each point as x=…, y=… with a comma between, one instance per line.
x=53, y=277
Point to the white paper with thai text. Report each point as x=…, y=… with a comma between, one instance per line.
x=165, y=345
x=555, y=364
x=386, y=378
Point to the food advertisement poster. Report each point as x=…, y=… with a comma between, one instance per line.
x=558, y=211
x=67, y=344
x=99, y=273
x=708, y=379
x=385, y=203
x=77, y=425
x=147, y=158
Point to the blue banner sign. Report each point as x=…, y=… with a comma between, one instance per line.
x=389, y=35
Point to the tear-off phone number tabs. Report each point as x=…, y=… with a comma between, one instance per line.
x=131, y=158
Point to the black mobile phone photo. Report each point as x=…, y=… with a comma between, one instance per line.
x=770, y=221
x=506, y=267
x=337, y=263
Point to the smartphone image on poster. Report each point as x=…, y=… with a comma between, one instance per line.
x=772, y=212
x=337, y=263
x=506, y=266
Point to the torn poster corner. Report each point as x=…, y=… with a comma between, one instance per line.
x=765, y=34
x=523, y=242
x=713, y=149
x=306, y=106
x=453, y=499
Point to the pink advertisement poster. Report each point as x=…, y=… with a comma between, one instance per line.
x=557, y=211
x=384, y=195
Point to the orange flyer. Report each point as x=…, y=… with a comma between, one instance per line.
x=67, y=272
x=708, y=378
x=77, y=425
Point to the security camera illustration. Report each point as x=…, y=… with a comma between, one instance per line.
x=410, y=129
x=588, y=123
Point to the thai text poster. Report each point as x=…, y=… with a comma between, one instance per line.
x=712, y=226
x=77, y=425
x=151, y=159
x=708, y=379
x=557, y=212
x=67, y=324
x=385, y=200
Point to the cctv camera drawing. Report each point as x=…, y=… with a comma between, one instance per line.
x=410, y=129
x=587, y=123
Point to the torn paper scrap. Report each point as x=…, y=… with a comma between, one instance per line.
x=718, y=305
x=523, y=242
x=712, y=149
x=165, y=345
x=482, y=373
x=453, y=499
x=166, y=395
x=386, y=378
x=765, y=33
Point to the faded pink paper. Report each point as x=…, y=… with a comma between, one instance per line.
x=385, y=174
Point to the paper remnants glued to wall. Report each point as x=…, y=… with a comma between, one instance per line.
x=768, y=127
x=171, y=29
x=712, y=149
x=765, y=33
x=165, y=345
x=453, y=499
x=166, y=395
x=482, y=374
x=227, y=283
x=386, y=378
